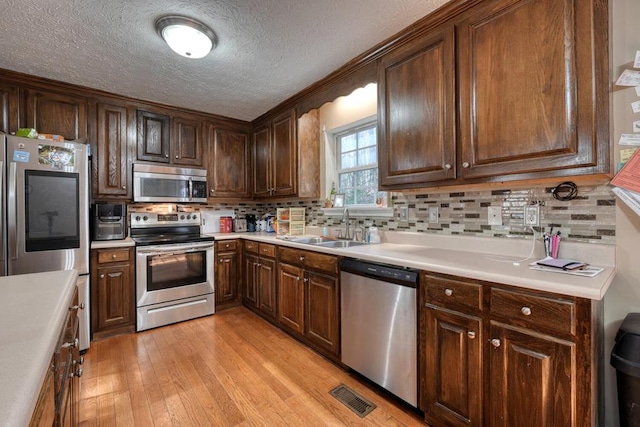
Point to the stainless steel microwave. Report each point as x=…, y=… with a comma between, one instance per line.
x=168, y=184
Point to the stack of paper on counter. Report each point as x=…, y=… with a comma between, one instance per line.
x=627, y=183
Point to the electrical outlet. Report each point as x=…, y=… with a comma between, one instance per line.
x=532, y=215
x=494, y=214
x=434, y=216
x=404, y=213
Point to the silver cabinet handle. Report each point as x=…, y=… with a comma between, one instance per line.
x=78, y=373
x=465, y=165
x=221, y=261
x=298, y=278
x=177, y=157
x=212, y=191
x=495, y=342
x=448, y=292
x=73, y=343
x=306, y=280
x=81, y=360
x=447, y=166
x=77, y=307
x=301, y=258
x=124, y=187
x=166, y=156
x=102, y=276
x=114, y=256
x=526, y=311
x=471, y=334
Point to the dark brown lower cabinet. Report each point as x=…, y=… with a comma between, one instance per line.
x=291, y=301
x=323, y=313
x=113, y=304
x=501, y=356
x=259, y=290
x=454, y=361
x=227, y=272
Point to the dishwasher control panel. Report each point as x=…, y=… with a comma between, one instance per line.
x=400, y=275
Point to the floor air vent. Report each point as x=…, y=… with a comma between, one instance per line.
x=353, y=400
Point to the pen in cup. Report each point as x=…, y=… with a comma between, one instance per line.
x=547, y=245
x=555, y=245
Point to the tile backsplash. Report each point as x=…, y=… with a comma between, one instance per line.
x=590, y=217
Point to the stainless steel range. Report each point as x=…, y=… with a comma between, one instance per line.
x=174, y=268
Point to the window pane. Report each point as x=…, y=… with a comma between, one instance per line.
x=348, y=142
x=345, y=181
x=348, y=160
x=368, y=156
x=367, y=138
x=349, y=197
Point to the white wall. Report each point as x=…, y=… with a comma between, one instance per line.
x=624, y=295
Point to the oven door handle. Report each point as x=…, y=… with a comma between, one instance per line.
x=191, y=247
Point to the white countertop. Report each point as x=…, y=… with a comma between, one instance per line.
x=106, y=244
x=33, y=308
x=489, y=259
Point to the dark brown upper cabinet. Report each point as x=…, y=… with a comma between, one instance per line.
x=9, y=100
x=153, y=137
x=186, y=141
x=115, y=124
x=416, y=111
x=57, y=113
x=228, y=168
x=531, y=96
x=275, y=156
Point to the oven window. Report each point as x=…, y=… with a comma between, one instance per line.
x=175, y=270
x=52, y=206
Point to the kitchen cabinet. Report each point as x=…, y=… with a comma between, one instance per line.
x=308, y=294
x=494, y=355
x=113, y=158
x=275, y=156
x=58, y=403
x=9, y=101
x=57, y=113
x=112, y=292
x=527, y=96
x=228, y=163
x=173, y=139
x=227, y=272
x=260, y=278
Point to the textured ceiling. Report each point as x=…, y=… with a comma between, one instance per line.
x=267, y=50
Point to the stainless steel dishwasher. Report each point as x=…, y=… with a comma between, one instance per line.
x=379, y=325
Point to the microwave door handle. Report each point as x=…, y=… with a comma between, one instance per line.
x=12, y=201
x=190, y=189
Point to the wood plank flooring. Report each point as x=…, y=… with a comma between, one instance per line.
x=229, y=369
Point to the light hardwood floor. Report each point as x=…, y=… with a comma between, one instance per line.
x=229, y=369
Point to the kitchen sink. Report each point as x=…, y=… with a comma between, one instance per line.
x=312, y=240
x=341, y=244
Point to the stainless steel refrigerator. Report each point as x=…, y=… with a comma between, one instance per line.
x=45, y=212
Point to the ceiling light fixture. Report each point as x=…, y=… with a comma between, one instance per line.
x=186, y=36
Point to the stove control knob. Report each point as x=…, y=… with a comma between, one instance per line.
x=188, y=216
x=181, y=216
x=144, y=218
x=194, y=216
x=138, y=218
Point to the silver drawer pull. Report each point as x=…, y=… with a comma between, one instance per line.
x=526, y=311
x=471, y=334
x=448, y=292
x=77, y=307
x=73, y=343
x=495, y=342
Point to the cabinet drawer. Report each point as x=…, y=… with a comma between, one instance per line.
x=322, y=262
x=267, y=250
x=253, y=247
x=226, y=245
x=453, y=293
x=292, y=256
x=534, y=311
x=113, y=256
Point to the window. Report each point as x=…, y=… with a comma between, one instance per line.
x=357, y=166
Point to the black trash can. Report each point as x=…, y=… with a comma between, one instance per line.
x=625, y=357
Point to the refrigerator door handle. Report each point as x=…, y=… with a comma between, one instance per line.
x=11, y=211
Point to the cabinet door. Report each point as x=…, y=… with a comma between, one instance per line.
x=153, y=137
x=284, y=155
x=228, y=163
x=452, y=375
x=291, y=297
x=226, y=277
x=533, y=97
x=267, y=287
x=112, y=159
x=114, y=296
x=416, y=112
x=186, y=142
x=261, y=161
x=56, y=113
x=323, y=315
x=531, y=378
x=250, y=293
x=9, y=100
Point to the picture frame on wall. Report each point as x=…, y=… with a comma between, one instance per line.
x=338, y=202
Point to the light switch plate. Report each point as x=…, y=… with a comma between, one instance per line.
x=495, y=215
x=434, y=216
x=404, y=213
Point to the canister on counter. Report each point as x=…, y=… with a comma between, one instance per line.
x=226, y=224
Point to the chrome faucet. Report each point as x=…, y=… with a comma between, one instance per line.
x=345, y=218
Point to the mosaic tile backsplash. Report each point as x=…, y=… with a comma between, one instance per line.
x=590, y=217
